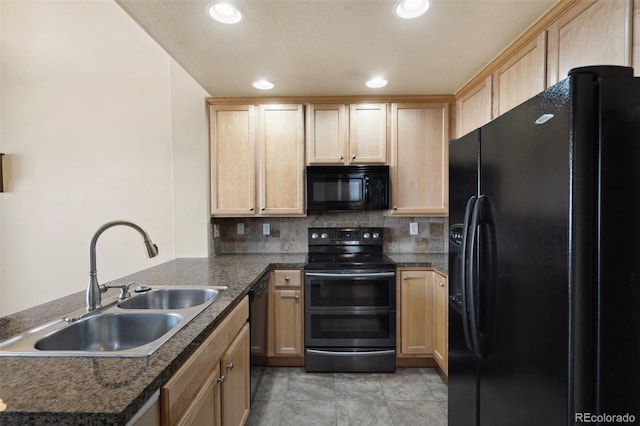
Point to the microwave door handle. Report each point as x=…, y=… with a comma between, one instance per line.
x=366, y=197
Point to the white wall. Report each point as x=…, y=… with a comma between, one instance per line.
x=98, y=123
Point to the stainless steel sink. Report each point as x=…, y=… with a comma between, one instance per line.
x=110, y=332
x=135, y=327
x=172, y=298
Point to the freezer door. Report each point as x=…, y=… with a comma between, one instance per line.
x=522, y=311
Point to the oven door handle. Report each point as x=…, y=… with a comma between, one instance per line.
x=363, y=353
x=351, y=275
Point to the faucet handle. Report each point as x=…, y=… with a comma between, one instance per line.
x=124, y=289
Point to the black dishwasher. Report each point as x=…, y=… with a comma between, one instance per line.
x=258, y=300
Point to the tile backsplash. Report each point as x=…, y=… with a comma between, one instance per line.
x=289, y=235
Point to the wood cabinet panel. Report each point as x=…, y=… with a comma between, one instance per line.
x=281, y=150
x=474, y=108
x=441, y=321
x=261, y=151
x=590, y=33
x=521, y=77
x=327, y=134
x=205, y=408
x=417, y=312
x=368, y=133
x=233, y=171
x=419, y=159
x=287, y=315
x=235, y=389
x=423, y=316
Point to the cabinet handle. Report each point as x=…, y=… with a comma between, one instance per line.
x=287, y=279
x=342, y=157
x=404, y=277
x=230, y=366
x=288, y=296
x=250, y=209
x=353, y=157
x=263, y=209
x=221, y=379
x=441, y=284
x=395, y=207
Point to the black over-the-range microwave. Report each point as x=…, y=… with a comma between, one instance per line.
x=341, y=188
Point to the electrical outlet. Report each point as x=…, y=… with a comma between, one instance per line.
x=266, y=229
x=413, y=228
x=216, y=230
x=240, y=229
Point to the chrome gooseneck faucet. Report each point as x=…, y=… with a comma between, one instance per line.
x=94, y=290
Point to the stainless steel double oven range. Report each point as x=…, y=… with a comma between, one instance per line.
x=349, y=301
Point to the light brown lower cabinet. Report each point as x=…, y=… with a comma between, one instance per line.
x=286, y=327
x=212, y=386
x=235, y=384
x=423, y=303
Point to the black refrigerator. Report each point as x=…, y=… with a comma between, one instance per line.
x=544, y=259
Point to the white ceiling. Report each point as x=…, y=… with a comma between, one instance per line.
x=331, y=47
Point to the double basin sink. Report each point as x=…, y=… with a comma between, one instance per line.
x=135, y=326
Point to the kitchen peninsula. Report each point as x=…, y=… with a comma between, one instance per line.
x=108, y=391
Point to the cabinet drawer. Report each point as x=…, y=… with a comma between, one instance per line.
x=287, y=278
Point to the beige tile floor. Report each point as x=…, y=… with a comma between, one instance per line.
x=410, y=397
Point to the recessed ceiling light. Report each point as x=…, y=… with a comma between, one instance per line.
x=262, y=84
x=376, y=83
x=409, y=9
x=224, y=13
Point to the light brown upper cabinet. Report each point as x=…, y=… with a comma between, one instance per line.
x=281, y=151
x=473, y=108
x=347, y=134
x=590, y=33
x=327, y=134
x=257, y=160
x=233, y=159
x=419, y=159
x=521, y=77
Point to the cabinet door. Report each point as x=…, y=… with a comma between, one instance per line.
x=417, y=312
x=235, y=385
x=590, y=33
x=419, y=159
x=287, y=323
x=205, y=408
x=521, y=77
x=327, y=136
x=473, y=108
x=233, y=171
x=368, y=133
x=441, y=313
x=281, y=143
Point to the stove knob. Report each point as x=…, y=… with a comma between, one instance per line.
x=314, y=235
x=324, y=236
x=376, y=235
x=366, y=235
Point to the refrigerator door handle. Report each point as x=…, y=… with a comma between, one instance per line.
x=472, y=297
x=481, y=295
x=463, y=276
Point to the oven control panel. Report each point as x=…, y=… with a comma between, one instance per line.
x=339, y=236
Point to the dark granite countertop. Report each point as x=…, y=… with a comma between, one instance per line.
x=109, y=391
